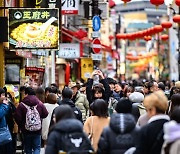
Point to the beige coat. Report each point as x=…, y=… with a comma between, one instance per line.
x=95, y=125
x=82, y=103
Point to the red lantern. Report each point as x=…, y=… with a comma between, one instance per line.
x=140, y=34
x=147, y=38
x=130, y=36
x=164, y=37
x=111, y=3
x=157, y=2
x=176, y=18
x=177, y=2
x=166, y=24
x=125, y=1
x=158, y=28
x=111, y=37
x=121, y=36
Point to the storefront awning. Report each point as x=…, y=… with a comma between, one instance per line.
x=81, y=36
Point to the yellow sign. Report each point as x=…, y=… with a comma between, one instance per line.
x=86, y=68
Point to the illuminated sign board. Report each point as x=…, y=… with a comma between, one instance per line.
x=33, y=28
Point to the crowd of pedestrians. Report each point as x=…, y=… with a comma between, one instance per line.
x=99, y=116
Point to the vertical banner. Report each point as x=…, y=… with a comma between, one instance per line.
x=86, y=68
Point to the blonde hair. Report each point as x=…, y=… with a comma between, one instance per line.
x=158, y=100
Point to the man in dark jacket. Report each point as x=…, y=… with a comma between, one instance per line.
x=67, y=95
x=32, y=139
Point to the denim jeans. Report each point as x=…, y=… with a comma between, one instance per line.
x=32, y=143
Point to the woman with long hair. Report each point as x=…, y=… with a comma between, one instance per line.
x=95, y=124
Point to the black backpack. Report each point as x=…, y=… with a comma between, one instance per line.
x=77, y=113
x=75, y=143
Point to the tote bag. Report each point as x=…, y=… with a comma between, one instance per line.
x=5, y=135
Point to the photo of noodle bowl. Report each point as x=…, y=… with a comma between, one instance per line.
x=34, y=35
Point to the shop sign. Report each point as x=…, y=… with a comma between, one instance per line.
x=86, y=68
x=36, y=3
x=35, y=76
x=70, y=6
x=69, y=50
x=43, y=3
x=53, y=3
x=24, y=54
x=33, y=28
x=96, y=56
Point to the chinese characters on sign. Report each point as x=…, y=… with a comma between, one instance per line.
x=33, y=28
x=69, y=50
x=86, y=68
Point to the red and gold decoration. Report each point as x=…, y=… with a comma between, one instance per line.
x=177, y=2
x=125, y=1
x=111, y=37
x=157, y=2
x=176, y=18
x=147, y=38
x=111, y=3
x=166, y=24
x=164, y=37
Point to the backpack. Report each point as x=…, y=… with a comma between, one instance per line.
x=77, y=113
x=76, y=143
x=33, y=120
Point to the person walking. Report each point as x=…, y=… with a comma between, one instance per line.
x=50, y=105
x=94, y=125
x=67, y=134
x=80, y=100
x=172, y=134
x=150, y=138
x=67, y=95
x=28, y=116
x=119, y=136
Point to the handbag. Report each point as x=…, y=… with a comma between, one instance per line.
x=5, y=135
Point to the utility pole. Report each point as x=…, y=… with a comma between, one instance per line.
x=117, y=43
x=95, y=9
x=96, y=25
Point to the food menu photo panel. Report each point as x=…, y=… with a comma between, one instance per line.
x=33, y=28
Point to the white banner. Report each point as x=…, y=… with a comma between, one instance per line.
x=69, y=50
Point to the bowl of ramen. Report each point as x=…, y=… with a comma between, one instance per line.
x=31, y=35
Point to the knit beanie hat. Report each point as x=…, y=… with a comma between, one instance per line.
x=124, y=106
x=136, y=97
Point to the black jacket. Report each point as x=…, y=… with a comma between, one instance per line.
x=119, y=136
x=90, y=96
x=55, y=139
x=150, y=138
x=76, y=110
